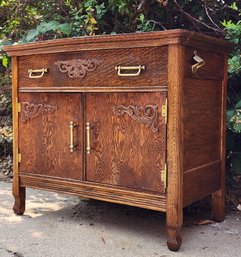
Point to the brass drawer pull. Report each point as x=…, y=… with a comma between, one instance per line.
x=129, y=68
x=72, y=145
x=40, y=73
x=88, y=144
x=198, y=65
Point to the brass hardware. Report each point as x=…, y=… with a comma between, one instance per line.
x=198, y=65
x=137, y=68
x=19, y=107
x=19, y=157
x=164, y=111
x=72, y=126
x=88, y=145
x=41, y=71
x=164, y=176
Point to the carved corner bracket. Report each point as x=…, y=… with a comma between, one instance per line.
x=78, y=68
x=147, y=115
x=31, y=110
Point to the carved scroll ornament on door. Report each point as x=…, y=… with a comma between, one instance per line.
x=147, y=115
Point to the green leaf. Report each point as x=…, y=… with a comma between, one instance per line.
x=32, y=34
x=66, y=28
x=52, y=25
x=142, y=17
x=234, y=6
x=229, y=115
x=238, y=105
x=5, y=61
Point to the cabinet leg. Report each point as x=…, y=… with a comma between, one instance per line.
x=174, y=239
x=218, y=206
x=19, y=196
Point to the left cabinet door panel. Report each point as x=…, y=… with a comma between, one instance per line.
x=49, y=123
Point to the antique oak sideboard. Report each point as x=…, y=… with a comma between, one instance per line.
x=136, y=119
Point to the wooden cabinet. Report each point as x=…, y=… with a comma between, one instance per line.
x=136, y=119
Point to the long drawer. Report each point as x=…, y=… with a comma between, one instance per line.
x=103, y=68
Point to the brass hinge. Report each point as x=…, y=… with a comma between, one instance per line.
x=19, y=107
x=19, y=157
x=164, y=111
x=164, y=176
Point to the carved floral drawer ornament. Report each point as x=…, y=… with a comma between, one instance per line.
x=78, y=68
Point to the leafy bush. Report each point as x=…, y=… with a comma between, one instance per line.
x=28, y=21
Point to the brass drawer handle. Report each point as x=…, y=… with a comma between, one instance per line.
x=129, y=68
x=40, y=73
x=72, y=145
x=198, y=65
x=88, y=144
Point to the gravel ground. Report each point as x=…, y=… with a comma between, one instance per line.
x=57, y=225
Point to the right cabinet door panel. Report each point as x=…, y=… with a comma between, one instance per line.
x=127, y=137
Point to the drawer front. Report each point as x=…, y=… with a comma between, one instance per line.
x=102, y=68
x=203, y=64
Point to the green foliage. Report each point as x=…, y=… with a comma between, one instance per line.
x=52, y=29
x=29, y=21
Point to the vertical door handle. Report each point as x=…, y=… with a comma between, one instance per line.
x=88, y=144
x=71, y=127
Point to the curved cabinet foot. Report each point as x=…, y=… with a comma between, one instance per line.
x=174, y=239
x=19, y=204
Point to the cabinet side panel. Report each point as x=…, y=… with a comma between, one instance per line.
x=201, y=113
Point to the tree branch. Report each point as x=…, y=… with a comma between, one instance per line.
x=195, y=20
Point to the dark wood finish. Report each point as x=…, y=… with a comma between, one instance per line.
x=201, y=116
x=18, y=191
x=115, y=194
x=130, y=142
x=174, y=217
x=218, y=197
x=44, y=141
x=200, y=182
x=136, y=88
x=120, y=153
x=101, y=75
x=130, y=40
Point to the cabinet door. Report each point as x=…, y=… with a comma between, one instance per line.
x=127, y=137
x=46, y=132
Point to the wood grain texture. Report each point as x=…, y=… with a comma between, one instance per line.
x=90, y=89
x=201, y=116
x=18, y=191
x=212, y=69
x=108, y=193
x=218, y=198
x=154, y=59
x=130, y=40
x=44, y=141
x=174, y=219
x=125, y=151
x=200, y=182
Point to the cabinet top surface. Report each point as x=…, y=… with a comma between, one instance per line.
x=130, y=40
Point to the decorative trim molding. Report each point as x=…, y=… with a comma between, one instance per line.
x=147, y=115
x=78, y=68
x=31, y=110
